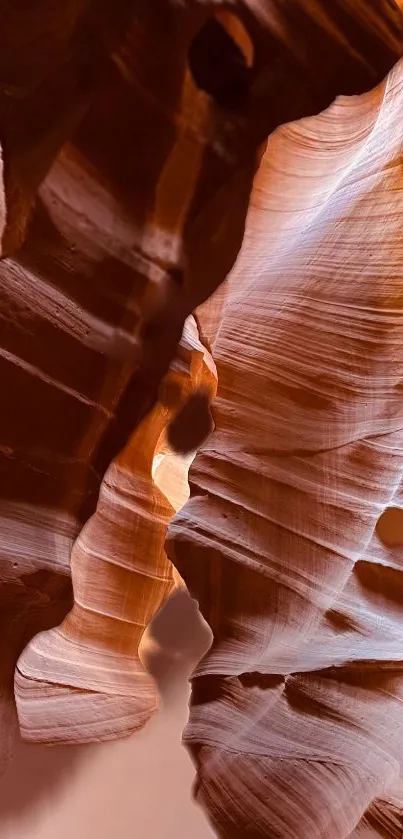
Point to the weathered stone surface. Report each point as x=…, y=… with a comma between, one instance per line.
x=124, y=192
x=296, y=721
x=84, y=681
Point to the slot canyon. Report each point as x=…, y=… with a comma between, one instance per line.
x=201, y=447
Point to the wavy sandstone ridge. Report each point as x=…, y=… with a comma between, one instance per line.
x=296, y=720
x=84, y=680
x=118, y=178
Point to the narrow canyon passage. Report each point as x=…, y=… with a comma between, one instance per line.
x=201, y=207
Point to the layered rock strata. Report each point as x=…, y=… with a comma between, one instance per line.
x=130, y=230
x=296, y=719
x=84, y=680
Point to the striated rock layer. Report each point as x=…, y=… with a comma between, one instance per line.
x=145, y=170
x=296, y=719
x=84, y=681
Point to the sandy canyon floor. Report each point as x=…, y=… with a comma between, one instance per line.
x=139, y=788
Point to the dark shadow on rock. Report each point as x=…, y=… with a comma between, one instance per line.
x=33, y=775
x=28, y=773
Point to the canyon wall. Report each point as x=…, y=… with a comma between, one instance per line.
x=123, y=197
x=84, y=680
x=292, y=538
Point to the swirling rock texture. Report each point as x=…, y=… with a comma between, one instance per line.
x=292, y=538
x=84, y=681
x=115, y=190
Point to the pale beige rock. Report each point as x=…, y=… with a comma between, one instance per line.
x=84, y=680
x=296, y=721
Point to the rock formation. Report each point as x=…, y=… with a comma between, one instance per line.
x=124, y=191
x=292, y=538
x=83, y=680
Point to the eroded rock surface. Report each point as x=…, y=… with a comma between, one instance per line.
x=144, y=171
x=84, y=681
x=296, y=720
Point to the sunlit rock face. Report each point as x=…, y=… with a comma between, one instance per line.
x=292, y=538
x=84, y=681
x=124, y=189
